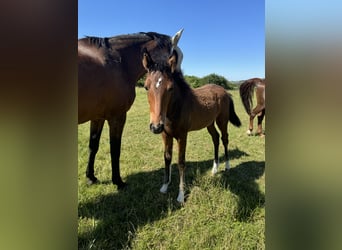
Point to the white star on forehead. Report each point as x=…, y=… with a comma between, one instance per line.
x=159, y=82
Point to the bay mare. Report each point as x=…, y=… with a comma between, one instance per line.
x=108, y=69
x=247, y=88
x=176, y=109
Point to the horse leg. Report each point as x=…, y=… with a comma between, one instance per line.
x=250, y=128
x=216, y=140
x=168, y=143
x=260, y=118
x=116, y=125
x=254, y=112
x=181, y=166
x=223, y=126
x=95, y=135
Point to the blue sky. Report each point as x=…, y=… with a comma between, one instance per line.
x=226, y=37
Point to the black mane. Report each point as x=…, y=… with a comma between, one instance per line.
x=177, y=76
x=99, y=41
x=163, y=41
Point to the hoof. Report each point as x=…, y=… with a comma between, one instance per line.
x=180, y=197
x=163, y=189
x=92, y=180
x=214, y=170
x=227, y=166
x=121, y=185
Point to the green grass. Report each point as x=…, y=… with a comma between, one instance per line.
x=222, y=212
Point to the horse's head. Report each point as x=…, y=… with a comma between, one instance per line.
x=160, y=47
x=160, y=87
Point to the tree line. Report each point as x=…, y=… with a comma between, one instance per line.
x=196, y=82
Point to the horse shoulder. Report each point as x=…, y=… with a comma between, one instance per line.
x=88, y=54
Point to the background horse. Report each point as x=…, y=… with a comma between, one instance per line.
x=176, y=109
x=108, y=69
x=246, y=93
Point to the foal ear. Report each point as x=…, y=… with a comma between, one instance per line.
x=147, y=60
x=173, y=61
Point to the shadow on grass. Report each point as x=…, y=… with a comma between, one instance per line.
x=112, y=220
x=241, y=180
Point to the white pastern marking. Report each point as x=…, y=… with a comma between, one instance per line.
x=180, y=197
x=159, y=82
x=227, y=165
x=215, y=168
x=163, y=189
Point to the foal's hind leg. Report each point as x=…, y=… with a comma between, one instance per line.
x=223, y=126
x=95, y=135
x=216, y=140
x=168, y=143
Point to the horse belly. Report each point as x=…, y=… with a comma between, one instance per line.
x=202, y=120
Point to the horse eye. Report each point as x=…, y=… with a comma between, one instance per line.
x=145, y=87
x=170, y=89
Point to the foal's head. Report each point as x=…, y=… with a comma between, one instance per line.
x=160, y=87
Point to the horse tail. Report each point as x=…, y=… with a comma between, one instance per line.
x=233, y=118
x=246, y=93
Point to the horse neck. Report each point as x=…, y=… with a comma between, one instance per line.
x=131, y=56
x=181, y=101
x=129, y=60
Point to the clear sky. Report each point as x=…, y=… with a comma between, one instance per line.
x=226, y=37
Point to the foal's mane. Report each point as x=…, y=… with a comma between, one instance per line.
x=177, y=76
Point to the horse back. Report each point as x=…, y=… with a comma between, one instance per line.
x=207, y=104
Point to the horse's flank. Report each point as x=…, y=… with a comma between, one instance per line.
x=209, y=100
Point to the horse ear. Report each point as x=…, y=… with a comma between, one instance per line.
x=173, y=61
x=147, y=60
x=176, y=38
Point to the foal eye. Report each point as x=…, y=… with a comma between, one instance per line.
x=146, y=88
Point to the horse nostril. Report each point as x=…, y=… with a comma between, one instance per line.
x=157, y=129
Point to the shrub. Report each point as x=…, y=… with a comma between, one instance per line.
x=216, y=79
x=141, y=81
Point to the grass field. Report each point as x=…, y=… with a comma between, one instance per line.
x=222, y=212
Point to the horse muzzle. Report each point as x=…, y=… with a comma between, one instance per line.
x=157, y=129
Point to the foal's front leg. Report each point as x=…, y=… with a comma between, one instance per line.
x=168, y=143
x=181, y=167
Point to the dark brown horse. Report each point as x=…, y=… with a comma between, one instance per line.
x=246, y=92
x=176, y=109
x=108, y=69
